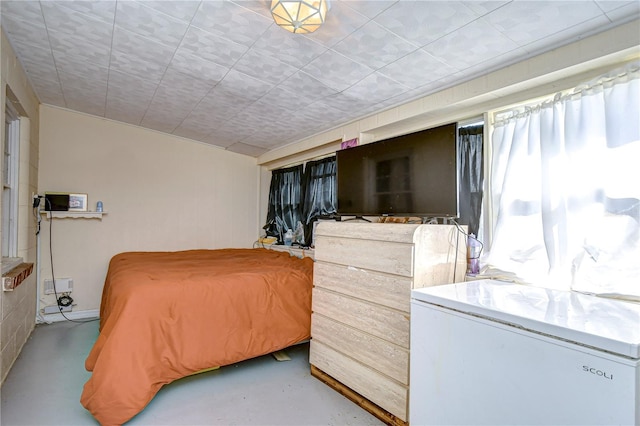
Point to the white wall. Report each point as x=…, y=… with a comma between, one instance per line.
x=160, y=192
x=17, y=308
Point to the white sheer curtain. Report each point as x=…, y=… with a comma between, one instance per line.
x=564, y=188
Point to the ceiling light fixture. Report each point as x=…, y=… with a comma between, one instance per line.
x=301, y=16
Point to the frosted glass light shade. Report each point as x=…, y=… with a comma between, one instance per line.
x=299, y=16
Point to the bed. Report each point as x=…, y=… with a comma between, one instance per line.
x=167, y=315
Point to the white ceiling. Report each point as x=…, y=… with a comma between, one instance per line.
x=223, y=73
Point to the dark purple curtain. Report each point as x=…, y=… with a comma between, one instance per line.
x=285, y=197
x=471, y=175
x=319, y=193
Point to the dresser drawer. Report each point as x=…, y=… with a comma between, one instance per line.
x=380, y=355
x=385, y=323
x=377, y=388
x=382, y=256
x=384, y=289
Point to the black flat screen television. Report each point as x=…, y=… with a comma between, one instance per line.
x=409, y=175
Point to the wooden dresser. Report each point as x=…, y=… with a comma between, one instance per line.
x=363, y=277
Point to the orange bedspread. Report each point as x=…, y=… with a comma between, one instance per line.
x=165, y=315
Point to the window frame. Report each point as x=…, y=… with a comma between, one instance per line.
x=10, y=184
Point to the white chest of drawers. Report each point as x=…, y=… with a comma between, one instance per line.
x=363, y=277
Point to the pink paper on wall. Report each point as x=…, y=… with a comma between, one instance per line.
x=348, y=144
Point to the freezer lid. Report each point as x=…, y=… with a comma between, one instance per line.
x=607, y=324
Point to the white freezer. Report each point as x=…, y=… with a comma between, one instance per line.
x=488, y=352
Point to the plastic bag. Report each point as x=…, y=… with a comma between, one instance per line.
x=298, y=234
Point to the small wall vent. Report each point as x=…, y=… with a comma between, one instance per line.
x=63, y=285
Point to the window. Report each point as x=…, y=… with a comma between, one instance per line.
x=564, y=202
x=285, y=197
x=296, y=199
x=10, y=184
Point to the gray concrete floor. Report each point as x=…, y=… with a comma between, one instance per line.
x=45, y=383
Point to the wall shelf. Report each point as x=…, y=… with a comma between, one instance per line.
x=73, y=215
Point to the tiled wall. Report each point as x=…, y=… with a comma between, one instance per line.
x=18, y=307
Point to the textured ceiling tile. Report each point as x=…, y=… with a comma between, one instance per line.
x=403, y=98
x=31, y=33
x=204, y=123
x=195, y=66
x=417, y=69
x=347, y=102
x=265, y=140
x=261, y=112
x=25, y=11
x=452, y=49
x=173, y=112
x=374, y=38
x=337, y=71
x=181, y=86
x=264, y=67
x=375, y=88
x=220, y=139
x=67, y=47
x=212, y=47
x=323, y=111
x=137, y=55
x=370, y=8
x=82, y=71
x=41, y=75
x=303, y=84
x=104, y=10
x=626, y=12
x=525, y=22
x=234, y=131
x=146, y=49
x=78, y=99
x=483, y=7
x=221, y=103
x=35, y=55
x=231, y=21
x=150, y=23
x=94, y=91
x=424, y=21
x=295, y=51
x=180, y=9
x=286, y=99
x=134, y=65
x=261, y=7
x=341, y=21
x=244, y=86
x=50, y=86
x=50, y=97
x=578, y=31
x=287, y=86
x=490, y=64
x=136, y=93
x=244, y=123
x=65, y=20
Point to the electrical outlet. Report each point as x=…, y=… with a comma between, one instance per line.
x=63, y=285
